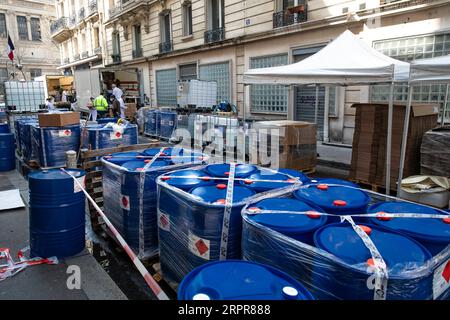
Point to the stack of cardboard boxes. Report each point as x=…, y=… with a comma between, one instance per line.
x=297, y=143
x=370, y=139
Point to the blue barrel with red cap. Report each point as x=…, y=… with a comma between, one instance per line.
x=7, y=152
x=333, y=181
x=434, y=234
x=168, y=124
x=105, y=136
x=339, y=200
x=57, y=213
x=346, y=268
x=190, y=221
x=188, y=179
x=296, y=174
x=281, y=239
x=265, y=180
x=222, y=170
x=240, y=280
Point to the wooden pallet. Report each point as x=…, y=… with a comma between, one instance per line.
x=92, y=166
x=372, y=186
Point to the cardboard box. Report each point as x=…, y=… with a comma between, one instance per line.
x=58, y=119
x=131, y=109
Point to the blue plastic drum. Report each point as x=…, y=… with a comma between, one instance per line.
x=122, y=157
x=107, y=120
x=347, y=276
x=223, y=170
x=196, y=178
x=334, y=199
x=57, y=213
x=296, y=174
x=300, y=227
x=271, y=180
x=4, y=128
x=333, y=181
x=240, y=280
x=7, y=152
x=434, y=234
x=168, y=122
x=106, y=137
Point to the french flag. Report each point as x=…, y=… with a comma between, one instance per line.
x=10, y=49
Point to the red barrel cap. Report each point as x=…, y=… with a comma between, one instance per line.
x=206, y=178
x=248, y=181
x=165, y=178
x=313, y=214
x=382, y=216
x=323, y=187
x=366, y=229
x=220, y=201
x=446, y=220
x=221, y=186
x=339, y=203
x=254, y=209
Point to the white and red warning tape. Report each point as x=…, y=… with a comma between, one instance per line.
x=12, y=268
x=156, y=289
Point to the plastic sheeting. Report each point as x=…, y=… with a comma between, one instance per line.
x=51, y=144
x=435, y=153
x=330, y=277
x=112, y=135
x=130, y=197
x=193, y=231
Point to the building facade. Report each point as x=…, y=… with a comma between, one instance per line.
x=28, y=24
x=170, y=40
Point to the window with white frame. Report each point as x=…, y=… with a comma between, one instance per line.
x=35, y=29
x=187, y=18
x=220, y=73
x=166, y=87
x=408, y=49
x=35, y=73
x=22, y=27
x=3, y=29
x=267, y=98
x=216, y=14
x=166, y=28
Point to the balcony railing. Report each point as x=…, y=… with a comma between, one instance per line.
x=81, y=14
x=215, y=35
x=66, y=60
x=72, y=20
x=116, y=58
x=58, y=25
x=137, y=53
x=165, y=47
x=93, y=6
x=84, y=54
x=290, y=16
x=98, y=50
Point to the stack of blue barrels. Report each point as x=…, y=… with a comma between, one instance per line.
x=330, y=258
x=7, y=149
x=130, y=194
x=107, y=120
x=191, y=211
x=152, y=123
x=110, y=136
x=24, y=128
x=168, y=120
x=57, y=213
x=52, y=143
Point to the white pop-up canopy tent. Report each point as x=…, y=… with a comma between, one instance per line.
x=345, y=61
x=428, y=71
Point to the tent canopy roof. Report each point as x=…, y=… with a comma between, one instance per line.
x=431, y=70
x=347, y=60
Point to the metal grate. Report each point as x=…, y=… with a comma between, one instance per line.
x=215, y=35
x=165, y=47
x=268, y=98
x=166, y=87
x=25, y=95
x=220, y=73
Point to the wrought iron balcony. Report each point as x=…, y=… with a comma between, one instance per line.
x=215, y=35
x=290, y=16
x=85, y=54
x=116, y=58
x=98, y=50
x=165, y=47
x=81, y=14
x=93, y=6
x=59, y=24
x=72, y=20
x=137, y=53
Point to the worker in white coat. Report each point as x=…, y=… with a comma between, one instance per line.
x=118, y=93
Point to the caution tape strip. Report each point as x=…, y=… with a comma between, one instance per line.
x=227, y=214
x=156, y=289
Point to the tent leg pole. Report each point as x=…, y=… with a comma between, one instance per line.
x=444, y=111
x=316, y=109
x=389, y=139
x=404, y=139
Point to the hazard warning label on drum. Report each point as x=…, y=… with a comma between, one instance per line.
x=164, y=221
x=116, y=135
x=64, y=133
x=125, y=202
x=198, y=246
x=441, y=279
